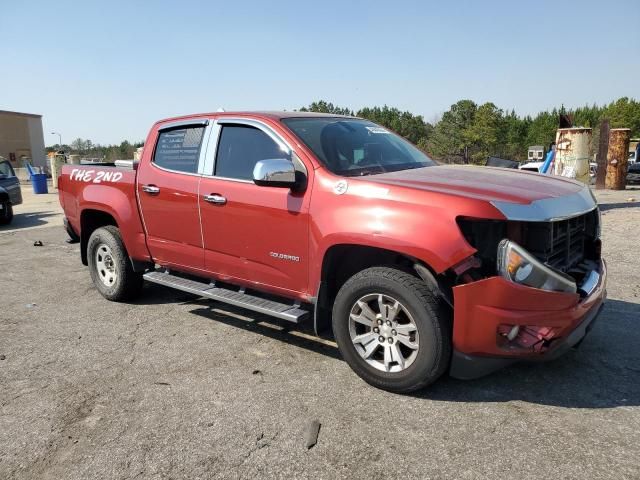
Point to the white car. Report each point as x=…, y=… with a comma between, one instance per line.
x=532, y=166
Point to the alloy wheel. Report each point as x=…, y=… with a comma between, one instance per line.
x=383, y=332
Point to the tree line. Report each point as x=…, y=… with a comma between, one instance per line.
x=86, y=148
x=469, y=133
x=466, y=133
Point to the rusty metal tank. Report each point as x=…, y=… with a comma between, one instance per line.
x=617, y=158
x=573, y=153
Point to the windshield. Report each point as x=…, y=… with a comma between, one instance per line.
x=353, y=147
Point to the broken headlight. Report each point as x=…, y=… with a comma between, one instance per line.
x=519, y=266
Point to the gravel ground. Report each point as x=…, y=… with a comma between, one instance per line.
x=173, y=387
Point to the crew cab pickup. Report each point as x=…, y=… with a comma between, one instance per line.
x=416, y=269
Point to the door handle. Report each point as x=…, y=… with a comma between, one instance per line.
x=151, y=189
x=215, y=198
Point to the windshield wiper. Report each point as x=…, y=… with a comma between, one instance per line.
x=361, y=172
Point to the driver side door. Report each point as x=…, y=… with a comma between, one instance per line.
x=253, y=235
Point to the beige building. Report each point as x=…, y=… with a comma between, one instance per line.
x=21, y=137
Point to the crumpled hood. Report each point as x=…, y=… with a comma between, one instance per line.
x=481, y=183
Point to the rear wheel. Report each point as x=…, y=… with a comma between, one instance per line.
x=6, y=214
x=110, y=268
x=391, y=329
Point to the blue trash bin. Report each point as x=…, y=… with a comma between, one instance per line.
x=39, y=183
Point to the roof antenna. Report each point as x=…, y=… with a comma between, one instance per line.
x=221, y=110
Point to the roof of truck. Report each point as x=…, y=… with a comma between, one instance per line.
x=274, y=115
x=283, y=114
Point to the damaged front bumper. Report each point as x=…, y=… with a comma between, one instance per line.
x=546, y=324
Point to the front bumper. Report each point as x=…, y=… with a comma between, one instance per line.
x=482, y=307
x=633, y=177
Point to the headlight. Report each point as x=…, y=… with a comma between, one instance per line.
x=519, y=266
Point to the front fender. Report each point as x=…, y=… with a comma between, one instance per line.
x=414, y=223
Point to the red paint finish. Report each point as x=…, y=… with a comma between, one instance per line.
x=117, y=199
x=481, y=307
x=242, y=237
x=171, y=216
x=413, y=222
x=410, y=212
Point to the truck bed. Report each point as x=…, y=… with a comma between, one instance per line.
x=110, y=189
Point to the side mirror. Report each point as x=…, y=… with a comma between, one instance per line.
x=275, y=172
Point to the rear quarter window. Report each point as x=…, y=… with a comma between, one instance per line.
x=179, y=149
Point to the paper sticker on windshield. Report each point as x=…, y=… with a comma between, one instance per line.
x=377, y=130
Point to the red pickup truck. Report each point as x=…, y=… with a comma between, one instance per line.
x=416, y=269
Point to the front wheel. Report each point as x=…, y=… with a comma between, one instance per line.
x=391, y=329
x=110, y=268
x=6, y=213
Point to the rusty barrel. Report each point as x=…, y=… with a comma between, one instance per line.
x=573, y=148
x=617, y=156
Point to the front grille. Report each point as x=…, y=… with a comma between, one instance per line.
x=571, y=246
x=561, y=244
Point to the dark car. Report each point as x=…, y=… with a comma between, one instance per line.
x=10, y=194
x=633, y=173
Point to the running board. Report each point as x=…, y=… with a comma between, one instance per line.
x=292, y=313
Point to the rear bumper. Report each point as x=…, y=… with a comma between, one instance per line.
x=482, y=307
x=633, y=177
x=70, y=231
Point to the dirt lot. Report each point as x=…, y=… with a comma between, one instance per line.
x=173, y=387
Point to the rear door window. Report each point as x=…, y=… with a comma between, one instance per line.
x=179, y=149
x=240, y=147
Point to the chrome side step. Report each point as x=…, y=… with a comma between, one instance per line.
x=292, y=313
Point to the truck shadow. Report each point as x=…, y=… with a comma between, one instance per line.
x=603, y=373
x=298, y=335
x=158, y=295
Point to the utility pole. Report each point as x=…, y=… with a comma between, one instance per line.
x=59, y=138
x=603, y=149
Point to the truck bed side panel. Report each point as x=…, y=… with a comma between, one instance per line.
x=106, y=189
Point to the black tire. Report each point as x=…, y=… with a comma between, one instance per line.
x=432, y=319
x=6, y=215
x=127, y=284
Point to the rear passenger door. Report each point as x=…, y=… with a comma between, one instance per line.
x=257, y=235
x=167, y=189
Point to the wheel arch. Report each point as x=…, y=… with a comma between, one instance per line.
x=341, y=261
x=90, y=220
